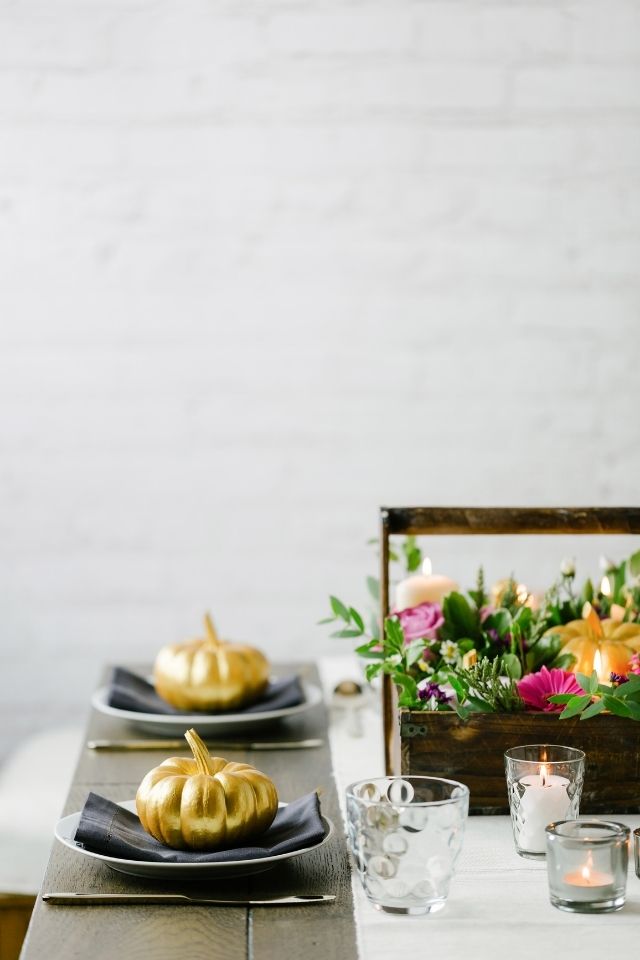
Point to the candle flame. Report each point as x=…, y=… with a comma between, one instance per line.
x=586, y=870
x=605, y=587
x=597, y=664
x=427, y=567
x=543, y=775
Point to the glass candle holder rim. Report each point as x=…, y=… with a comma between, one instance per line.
x=350, y=791
x=579, y=755
x=618, y=831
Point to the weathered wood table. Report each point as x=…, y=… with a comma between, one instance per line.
x=233, y=933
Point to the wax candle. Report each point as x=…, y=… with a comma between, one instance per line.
x=589, y=882
x=423, y=588
x=545, y=799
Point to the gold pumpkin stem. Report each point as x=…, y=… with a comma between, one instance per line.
x=200, y=752
x=212, y=636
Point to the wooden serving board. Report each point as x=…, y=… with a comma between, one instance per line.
x=215, y=933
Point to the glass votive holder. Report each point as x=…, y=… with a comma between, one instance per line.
x=544, y=782
x=636, y=850
x=587, y=865
x=405, y=835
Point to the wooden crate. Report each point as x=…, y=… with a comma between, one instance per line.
x=472, y=751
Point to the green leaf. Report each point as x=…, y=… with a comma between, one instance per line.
x=414, y=652
x=565, y=661
x=339, y=609
x=372, y=670
x=373, y=586
x=512, y=666
x=616, y=706
x=587, y=593
x=594, y=709
x=501, y=621
x=348, y=632
x=460, y=689
x=326, y=620
x=561, y=697
x=588, y=684
x=575, y=706
x=366, y=651
x=357, y=619
x=633, y=563
x=480, y=706
x=394, y=634
x=460, y=617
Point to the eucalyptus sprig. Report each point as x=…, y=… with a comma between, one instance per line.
x=484, y=687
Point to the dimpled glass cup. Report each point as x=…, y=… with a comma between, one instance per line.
x=405, y=835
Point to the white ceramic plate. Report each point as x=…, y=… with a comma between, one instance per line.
x=205, y=723
x=66, y=830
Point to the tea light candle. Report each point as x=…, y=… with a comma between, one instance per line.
x=588, y=883
x=545, y=799
x=426, y=588
x=587, y=865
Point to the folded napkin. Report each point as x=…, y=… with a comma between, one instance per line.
x=115, y=832
x=129, y=691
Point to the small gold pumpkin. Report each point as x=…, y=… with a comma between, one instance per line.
x=209, y=674
x=605, y=646
x=205, y=803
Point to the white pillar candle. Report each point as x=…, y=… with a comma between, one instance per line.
x=423, y=588
x=545, y=799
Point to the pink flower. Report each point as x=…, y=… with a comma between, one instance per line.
x=535, y=688
x=634, y=664
x=421, y=622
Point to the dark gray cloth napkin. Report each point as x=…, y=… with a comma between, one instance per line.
x=129, y=691
x=115, y=832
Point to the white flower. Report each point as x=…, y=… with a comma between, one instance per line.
x=395, y=660
x=449, y=652
x=568, y=567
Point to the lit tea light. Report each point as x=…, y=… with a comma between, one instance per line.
x=587, y=876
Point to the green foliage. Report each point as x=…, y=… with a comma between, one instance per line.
x=509, y=642
x=483, y=687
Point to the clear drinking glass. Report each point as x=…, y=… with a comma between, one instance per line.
x=636, y=850
x=405, y=835
x=544, y=781
x=587, y=865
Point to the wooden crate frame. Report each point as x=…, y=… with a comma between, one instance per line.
x=490, y=521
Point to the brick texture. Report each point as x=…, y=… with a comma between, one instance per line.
x=264, y=266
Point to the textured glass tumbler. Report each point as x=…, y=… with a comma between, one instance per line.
x=544, y=782
x=636, y=850
x=405, y=835
x=587, y=865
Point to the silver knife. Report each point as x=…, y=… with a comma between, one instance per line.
x=175, y=899
x=212, y=744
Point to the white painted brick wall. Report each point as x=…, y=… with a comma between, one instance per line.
x=264, y=266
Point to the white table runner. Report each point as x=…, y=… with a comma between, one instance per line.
x=499, y=906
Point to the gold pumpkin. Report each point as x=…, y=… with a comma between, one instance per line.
x=603, y=645
x=209, y=674
x=205, y=803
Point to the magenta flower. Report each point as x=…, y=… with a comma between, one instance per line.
x=535, y=688
x=421, y=622
x=634, y=663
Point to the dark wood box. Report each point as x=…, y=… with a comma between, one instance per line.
x=472, y=751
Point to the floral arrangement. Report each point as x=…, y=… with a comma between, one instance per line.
x=574, y=651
